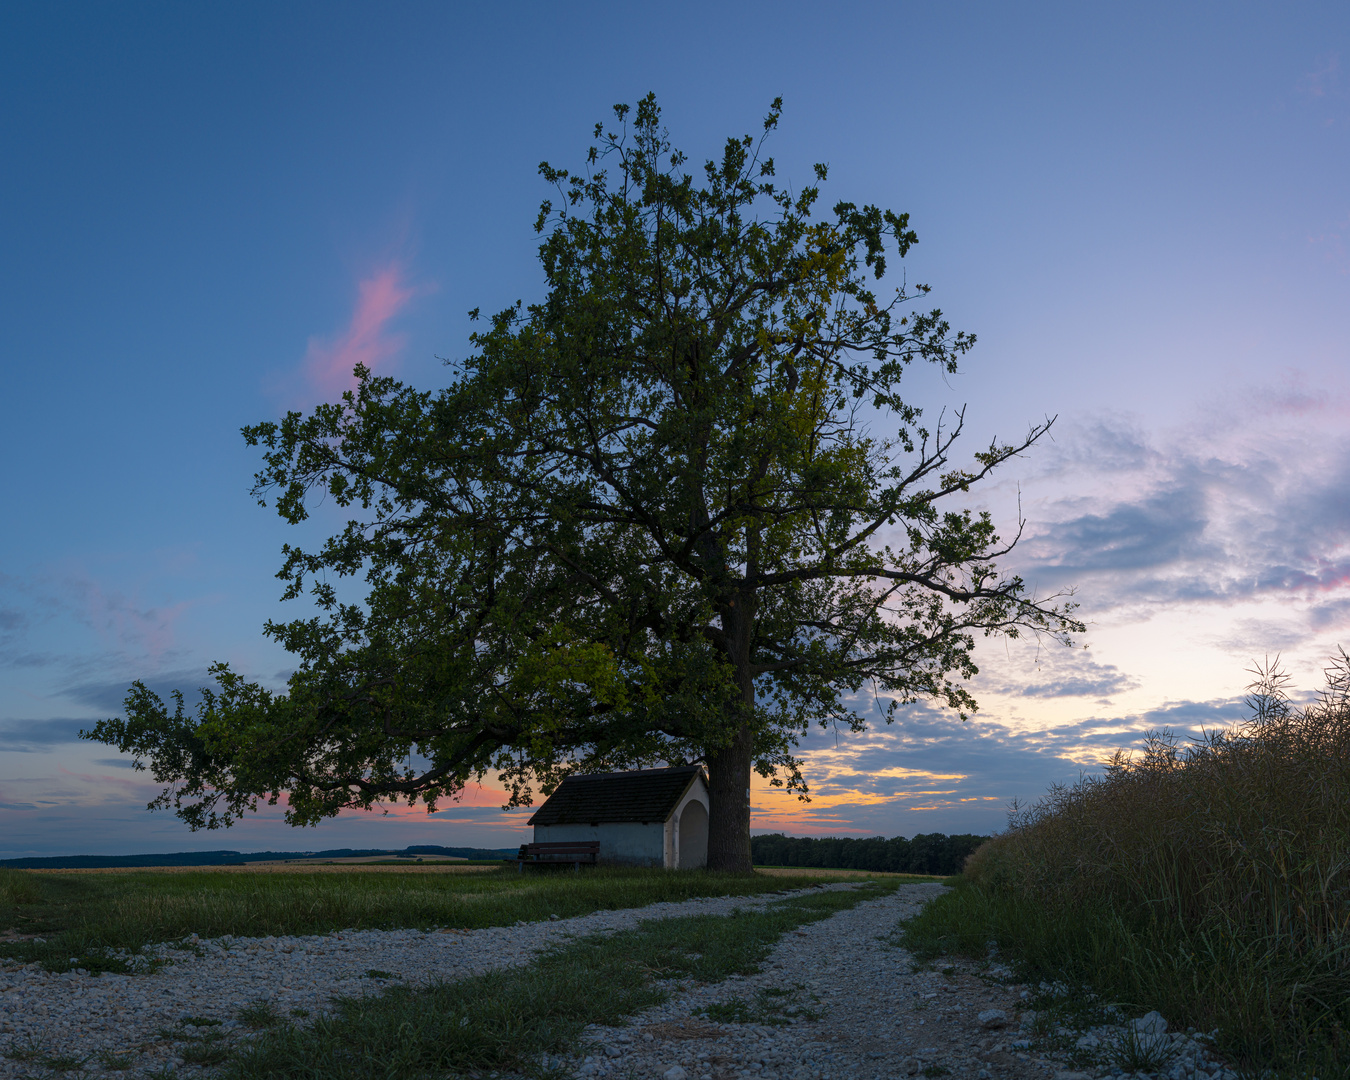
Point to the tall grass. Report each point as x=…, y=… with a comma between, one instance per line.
x=1211, y=881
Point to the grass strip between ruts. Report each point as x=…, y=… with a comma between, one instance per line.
x=511, y=1020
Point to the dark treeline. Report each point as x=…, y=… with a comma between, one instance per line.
x=237, y=858
x=927, y=853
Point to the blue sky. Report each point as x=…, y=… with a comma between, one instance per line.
x=207, y=212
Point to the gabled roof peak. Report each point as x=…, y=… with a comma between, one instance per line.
x=640, y=795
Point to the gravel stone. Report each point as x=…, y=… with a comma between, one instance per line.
x=992, y=1018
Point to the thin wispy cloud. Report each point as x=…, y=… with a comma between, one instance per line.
x=1331, y=244
x=74, y=625
x=1324, y=79
x=367, y=339
x=126, y=620
x=1056, y=672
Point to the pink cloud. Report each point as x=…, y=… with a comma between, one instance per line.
x=474, y=795
x=367, y=340
x=1332, y=244
x=148, y=630
x=1323, y=78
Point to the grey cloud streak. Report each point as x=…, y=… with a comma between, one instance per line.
x=1054, y=672
x=1194, y=520
x=37, y=736
x=111, y=694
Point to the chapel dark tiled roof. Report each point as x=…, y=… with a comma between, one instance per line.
x=643, y=795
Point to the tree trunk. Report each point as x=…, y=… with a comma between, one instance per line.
x=729, y=766
x=729, y=820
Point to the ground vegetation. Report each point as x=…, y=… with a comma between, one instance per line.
x=1206, y=881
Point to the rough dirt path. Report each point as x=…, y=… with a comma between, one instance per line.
x=856, y=1007
x=874, y=1016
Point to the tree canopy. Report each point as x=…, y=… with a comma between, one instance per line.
x=676, y=511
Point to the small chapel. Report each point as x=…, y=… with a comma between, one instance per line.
x=648, y=817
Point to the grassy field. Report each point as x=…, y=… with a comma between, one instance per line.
x=298, y=866
x=69, y=919
x=517, y=1020
x=1208, y=882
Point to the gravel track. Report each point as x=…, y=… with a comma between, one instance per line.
x=88, y=1018
x=876, y=1017
x=834, y=1001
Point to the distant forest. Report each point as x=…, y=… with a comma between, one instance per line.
x=927, y=853
x=236, y=858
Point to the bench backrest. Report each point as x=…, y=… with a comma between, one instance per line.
x=579, y=847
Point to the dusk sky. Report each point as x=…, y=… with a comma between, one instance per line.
x=209, y=213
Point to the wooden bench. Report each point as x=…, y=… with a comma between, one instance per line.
x=559, y=853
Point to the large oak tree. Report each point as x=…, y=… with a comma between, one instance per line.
x=676, y=511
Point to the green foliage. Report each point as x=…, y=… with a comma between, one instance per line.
x=1206, y=883
x=678, y=510
x=204, y=1052
x=17, y=888
x=1140, y=1053
x=260, y=1014
x=34, y=1051
x=28, y=1050
x=772, y=1006
x=116, y=1061
x=927, y=853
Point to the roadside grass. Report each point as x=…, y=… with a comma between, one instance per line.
x=771, y=1006
x=850, y=872
x=93, y=921
x=1206, y=882
x=518, y=1021
x=36, y=1053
